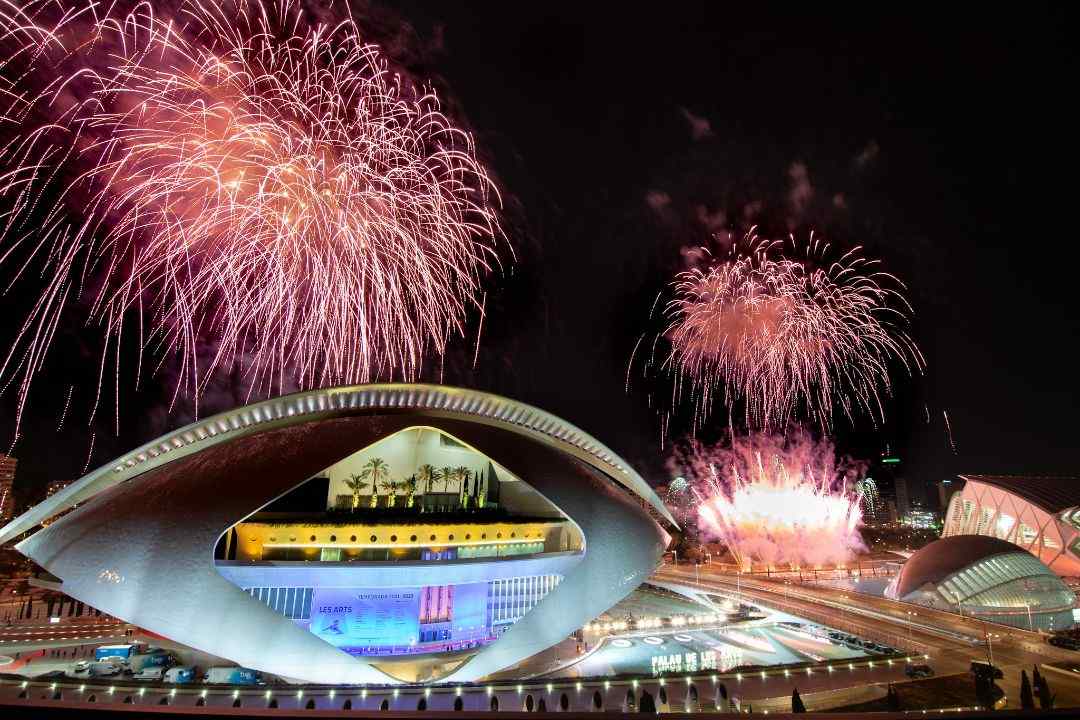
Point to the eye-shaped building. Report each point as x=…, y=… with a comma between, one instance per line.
x=373, y=533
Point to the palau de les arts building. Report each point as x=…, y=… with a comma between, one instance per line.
x=366, y=534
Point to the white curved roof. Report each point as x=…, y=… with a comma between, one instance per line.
x=142, y=549
x=334, y=402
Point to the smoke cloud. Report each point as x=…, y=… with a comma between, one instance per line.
x=774, y=499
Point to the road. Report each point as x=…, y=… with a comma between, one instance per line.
x=951, y=641
x=32, y=641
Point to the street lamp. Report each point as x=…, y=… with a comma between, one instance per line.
x=989, y=643
x=959, y=607
x=910, y=614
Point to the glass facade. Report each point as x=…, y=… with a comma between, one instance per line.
x=511, y=599
x=397, y=554
x=292, y=602
x=409, y=620
x=1016, y=588
x=418, y=498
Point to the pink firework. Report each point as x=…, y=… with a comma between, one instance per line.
x=236, y=187
x=778, y=335
x=776, y=501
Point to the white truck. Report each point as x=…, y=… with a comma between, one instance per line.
x=152, y=658
x=180, y=675
x=232, y=676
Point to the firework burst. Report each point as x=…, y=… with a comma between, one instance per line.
x=779, y=336
x=233, y=177
x=775, y=501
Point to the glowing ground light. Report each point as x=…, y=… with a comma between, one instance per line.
x=653, y=640
x=244, y=190
x=621, y=643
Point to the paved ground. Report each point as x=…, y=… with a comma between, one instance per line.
x=950, y=640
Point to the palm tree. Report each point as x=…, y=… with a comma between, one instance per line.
x=391, y=490
x=409, y=484
x=428, y=475
x=377, y=470
x=447, y=476
x=357, y=485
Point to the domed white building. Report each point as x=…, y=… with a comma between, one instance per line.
x=358, y=535
x=988, y=578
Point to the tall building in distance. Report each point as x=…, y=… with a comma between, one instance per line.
x=945, y=490
x=895, y=498
x=7, y=488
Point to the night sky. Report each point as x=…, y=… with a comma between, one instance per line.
x=944, y=145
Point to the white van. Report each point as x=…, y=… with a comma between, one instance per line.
x=105, y=668
x=156, y=674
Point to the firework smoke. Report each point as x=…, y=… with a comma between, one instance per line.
x=775, y=501
x=780, y=335
x=231, y=176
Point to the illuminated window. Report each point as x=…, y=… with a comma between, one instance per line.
x=1072, y=516
x=1027, y=535
x=1004, y=525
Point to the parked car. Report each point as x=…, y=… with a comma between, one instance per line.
x=1064, y=641
x=981, y=668
x=156, y=674
x=918, y=671
x=105, y=668
x=81, y=666
x=116, y=659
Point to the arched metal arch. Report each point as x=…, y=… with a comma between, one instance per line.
x=339, y=402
